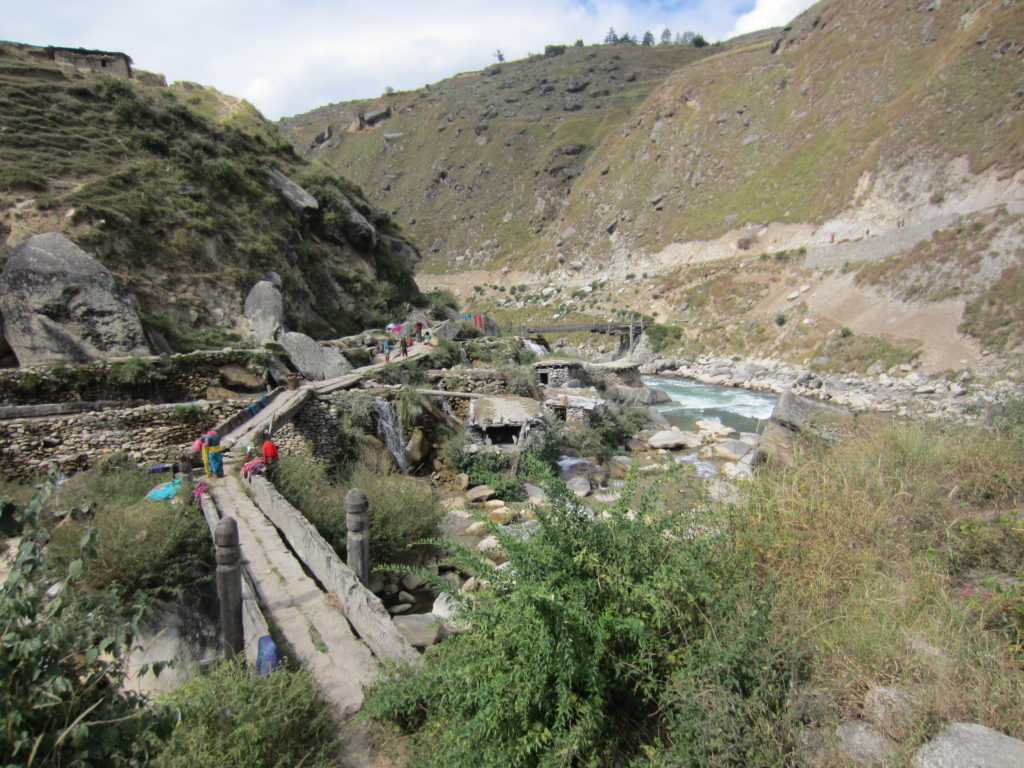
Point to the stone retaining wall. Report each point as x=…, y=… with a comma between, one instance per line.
x=176, y=378
x=149, y=434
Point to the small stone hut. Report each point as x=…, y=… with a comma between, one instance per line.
x=554, y=373
x=565, y=406
x=108, y=62
x=503, y=422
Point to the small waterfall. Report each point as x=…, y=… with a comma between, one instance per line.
x=389, y=430
x=447, y=408
x=534, y=347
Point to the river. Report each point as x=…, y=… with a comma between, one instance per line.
x=741, y=409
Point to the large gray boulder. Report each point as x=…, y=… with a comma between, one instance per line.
x=671, y=440
x=60, y=305
x=636, y=397
x=970, y=745
x=264, y=309
x=794, y=415
x=313, y=360
x=298, y=199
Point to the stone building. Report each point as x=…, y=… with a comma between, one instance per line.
x=107, y=62
x=555, y=373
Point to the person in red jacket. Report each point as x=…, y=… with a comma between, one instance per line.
x=270, y=456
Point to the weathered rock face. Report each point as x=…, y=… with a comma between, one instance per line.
x=298, y=199
x=264, y=309
x=314, y=361
x=60, y=305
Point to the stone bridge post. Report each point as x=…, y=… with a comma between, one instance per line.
x=357, y=521
x=229, y=586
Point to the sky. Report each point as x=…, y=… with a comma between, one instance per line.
x=291, y=56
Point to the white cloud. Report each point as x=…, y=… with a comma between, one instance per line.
x=769, y=13
x=289, y=56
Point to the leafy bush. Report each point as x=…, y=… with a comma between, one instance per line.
x=484, y=467
x=663, y=336
x=61, y=664
x=230, y=718
x=403, y=510
x=605, y=640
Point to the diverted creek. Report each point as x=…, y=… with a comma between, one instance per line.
x=742, y=409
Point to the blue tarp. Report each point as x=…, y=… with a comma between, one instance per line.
x=165, y=490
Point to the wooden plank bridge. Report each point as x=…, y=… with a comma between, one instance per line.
x=618, y=328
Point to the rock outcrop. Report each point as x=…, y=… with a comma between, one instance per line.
x=314, y=361
x=60, y=305
x=264, y=309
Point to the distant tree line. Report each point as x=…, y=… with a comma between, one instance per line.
x=681, y=38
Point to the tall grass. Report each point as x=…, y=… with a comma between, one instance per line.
x=882, y=546
x=402, y=509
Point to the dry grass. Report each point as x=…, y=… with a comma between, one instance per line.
x=869, y=542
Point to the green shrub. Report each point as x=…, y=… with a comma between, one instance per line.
x=62, y=663
x=133, y=372
x=605, y=641
x=186, y=412
x=144, y=549
x=484, y=466
x=663, y=336
x=233, y=719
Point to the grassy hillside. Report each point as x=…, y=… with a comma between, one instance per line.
x=478, y=165
x=168, y=187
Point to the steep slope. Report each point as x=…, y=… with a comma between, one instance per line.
x=175, y=191
x=478, y=165
x=874, y=145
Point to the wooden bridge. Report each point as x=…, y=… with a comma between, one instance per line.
x=619, y=328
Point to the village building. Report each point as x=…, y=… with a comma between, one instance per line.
x=503, y=422
x=106, y=62
x=555, y=373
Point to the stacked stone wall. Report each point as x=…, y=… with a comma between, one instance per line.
x=171, y=379
x=149, y=434
x=315, y=428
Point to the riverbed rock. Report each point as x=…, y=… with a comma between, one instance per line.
x=657, y=418
x=670, y=440
x=970, y=745
x=313, y=360
x=264, y=310
x=480, y=493
x=730, y=450
x=422, y=630
x=580, y=485
x=418, y=447
x=715, y=430
x=60, y=305
x=636, y=397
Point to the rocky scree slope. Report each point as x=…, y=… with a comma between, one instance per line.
x=187, y=196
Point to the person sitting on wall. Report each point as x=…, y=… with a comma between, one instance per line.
x=270, y=456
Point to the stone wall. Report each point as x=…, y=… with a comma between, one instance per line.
x=314, y=428
x=149, y=434
x=176, y=378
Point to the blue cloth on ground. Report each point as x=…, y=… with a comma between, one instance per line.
x=165, y=490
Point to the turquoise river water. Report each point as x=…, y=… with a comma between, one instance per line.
x=741, y=409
